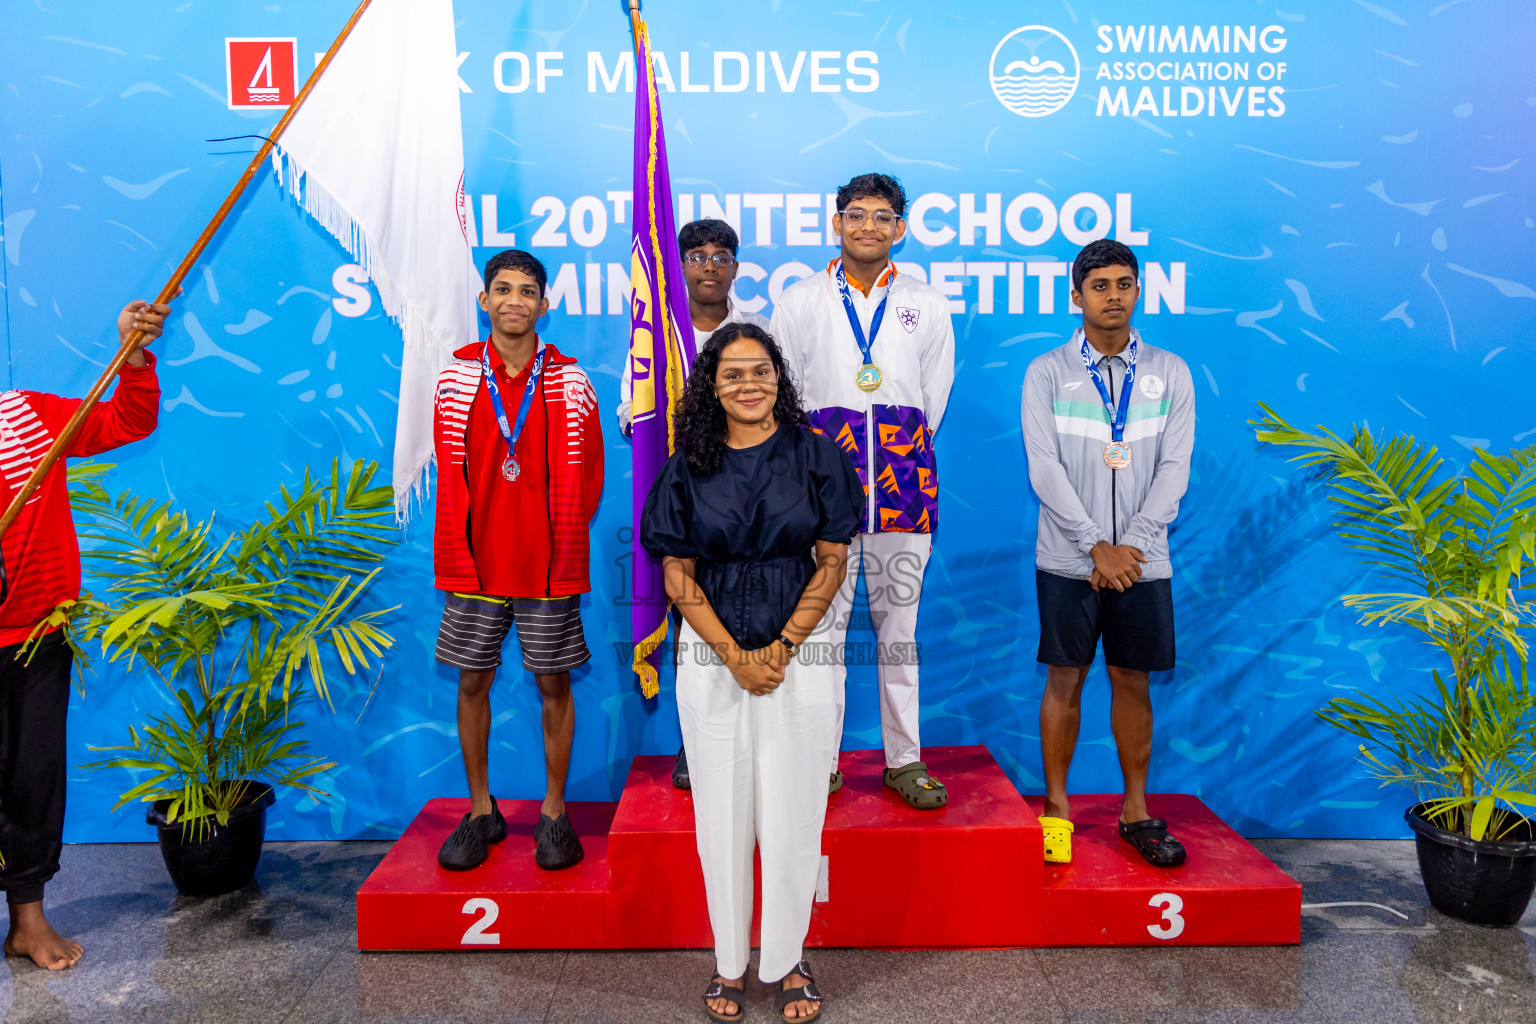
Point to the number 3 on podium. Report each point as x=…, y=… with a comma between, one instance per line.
x=1172, y=924
x=477, y=934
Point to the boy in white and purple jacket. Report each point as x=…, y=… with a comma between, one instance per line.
x=874, y=354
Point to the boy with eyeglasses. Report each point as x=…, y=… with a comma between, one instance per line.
x=709, y=250
x=874, y=355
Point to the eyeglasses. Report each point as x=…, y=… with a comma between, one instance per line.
x=854, y=216
x=723, y=260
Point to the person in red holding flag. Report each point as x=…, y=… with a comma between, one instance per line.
x=42, y=571
x=520, y=472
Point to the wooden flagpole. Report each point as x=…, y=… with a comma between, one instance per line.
x=131, y=344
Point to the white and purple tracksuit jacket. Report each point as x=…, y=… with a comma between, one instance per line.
x=888, y=434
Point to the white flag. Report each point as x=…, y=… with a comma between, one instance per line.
x=376, y=155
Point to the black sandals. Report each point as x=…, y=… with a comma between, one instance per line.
x=1152, y=841
x=736, y=993
x=807, y=993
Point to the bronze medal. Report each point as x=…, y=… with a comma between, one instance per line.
x=1117, y=455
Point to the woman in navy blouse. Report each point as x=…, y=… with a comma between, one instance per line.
x=752, y=517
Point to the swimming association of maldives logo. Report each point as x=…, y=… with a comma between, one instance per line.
x=1035, y=71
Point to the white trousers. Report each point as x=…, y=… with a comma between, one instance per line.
x=893, y=565
x=758, y=770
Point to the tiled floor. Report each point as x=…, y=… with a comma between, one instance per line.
x=283, y=951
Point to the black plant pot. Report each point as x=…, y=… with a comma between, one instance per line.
x=212, y=859
x=1476, y=880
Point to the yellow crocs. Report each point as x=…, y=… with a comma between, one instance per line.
x=1058, y=839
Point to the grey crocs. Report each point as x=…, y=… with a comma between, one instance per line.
x=916, y=786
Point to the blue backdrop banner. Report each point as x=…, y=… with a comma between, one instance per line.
x=1333, y=204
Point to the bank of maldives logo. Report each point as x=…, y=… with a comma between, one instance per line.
x=1034, y=71
x=260, y=73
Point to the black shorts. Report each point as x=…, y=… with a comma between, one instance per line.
x=475, y=626
x=1137, y=625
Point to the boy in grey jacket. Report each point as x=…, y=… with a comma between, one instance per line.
x=1109, y=426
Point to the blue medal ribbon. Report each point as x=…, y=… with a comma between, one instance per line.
x=1117, y=415
x=512, y=432
x=865, y=347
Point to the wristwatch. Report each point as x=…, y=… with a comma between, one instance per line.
x=789, y=645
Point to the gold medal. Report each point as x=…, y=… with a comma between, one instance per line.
x=868, y=378
x=1117, y=455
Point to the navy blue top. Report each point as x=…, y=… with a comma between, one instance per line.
x=753, y=525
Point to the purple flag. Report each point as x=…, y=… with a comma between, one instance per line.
x=661, y=349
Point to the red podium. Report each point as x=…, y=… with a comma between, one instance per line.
x=968, y=876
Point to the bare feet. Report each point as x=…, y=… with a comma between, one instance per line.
x=32, y=936
x=800, y=1008
x=725, y=1007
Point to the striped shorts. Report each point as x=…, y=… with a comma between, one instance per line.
x=549, y=630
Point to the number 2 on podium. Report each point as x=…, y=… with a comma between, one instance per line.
x=1172, y=924
x=477, y=934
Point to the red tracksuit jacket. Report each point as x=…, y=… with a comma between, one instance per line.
x=42, y=556
x=574, y=439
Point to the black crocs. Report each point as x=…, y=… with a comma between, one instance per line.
x=807, y=992
x=470, y=844
x=736, y=993
x=555, y=843
x=1152, y=841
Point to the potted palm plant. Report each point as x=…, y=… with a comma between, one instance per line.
x=236, y=627
x=1458, y=547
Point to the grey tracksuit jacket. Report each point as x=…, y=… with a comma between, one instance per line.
x=1083, y=501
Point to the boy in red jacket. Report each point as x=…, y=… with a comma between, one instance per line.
x=520, y=471
x=42, y=563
